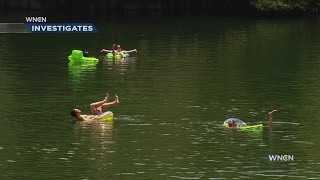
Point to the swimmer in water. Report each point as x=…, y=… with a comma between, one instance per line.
x=110, y=51
x=119, y=51
x=96, y=109
x=86, y=54
x=233, y=124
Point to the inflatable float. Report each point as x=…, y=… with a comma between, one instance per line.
x=117, y=56
x=242, y=125
x=77, y=56
x=253, y=127
x=106, y=116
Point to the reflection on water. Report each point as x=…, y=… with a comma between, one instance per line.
x=120, y=65
x=80, y=72
x=98, y=128
x=93, y=143
x=188, y=77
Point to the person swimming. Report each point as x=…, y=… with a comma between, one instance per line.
x=86, y=54
x=236, y=123
x=232, y=124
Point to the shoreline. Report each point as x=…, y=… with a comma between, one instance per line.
x=99, y=9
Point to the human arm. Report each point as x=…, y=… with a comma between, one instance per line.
x=130, y=51
x=106, y=51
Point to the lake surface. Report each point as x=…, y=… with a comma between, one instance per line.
x=188, y=77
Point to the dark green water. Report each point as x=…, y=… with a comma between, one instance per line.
x=188, y=77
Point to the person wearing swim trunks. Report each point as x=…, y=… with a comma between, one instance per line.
x=96, y=109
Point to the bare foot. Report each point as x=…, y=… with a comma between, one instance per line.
x=106, y=99
x=275, y=110
x=102, y=50
x=117, y=99
x=136, y=50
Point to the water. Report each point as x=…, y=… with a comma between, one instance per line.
x=188, y=77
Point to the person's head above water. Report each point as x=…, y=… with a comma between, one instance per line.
x=75, y=112
x=86, y=53
x=232, y=123
x=119, y=49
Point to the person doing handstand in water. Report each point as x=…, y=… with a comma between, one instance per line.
x=96, y=109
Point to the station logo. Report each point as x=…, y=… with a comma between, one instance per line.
x=281, y=158
x=40, y=25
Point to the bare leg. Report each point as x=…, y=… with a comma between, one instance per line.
x=113, y=103
x=96, y=107
x=270, y=117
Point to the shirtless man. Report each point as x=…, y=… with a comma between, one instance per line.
x=110, y=51
x=96, y=109
x=124, y=53
x=119, y=51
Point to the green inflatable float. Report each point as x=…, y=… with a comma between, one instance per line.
x=117, y=56
x=77, y=56
x=106, y=116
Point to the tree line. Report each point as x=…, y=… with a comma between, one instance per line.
x=170, y=7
